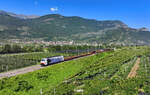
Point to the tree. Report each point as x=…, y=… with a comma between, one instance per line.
x=16, y=48
x=7, y=49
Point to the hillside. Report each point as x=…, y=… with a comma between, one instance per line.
x=100, y=74
x=21, y=16
x=62, y=28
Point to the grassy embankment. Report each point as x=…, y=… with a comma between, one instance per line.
x=47, y=78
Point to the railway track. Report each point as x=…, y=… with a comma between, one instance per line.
x=20, y=71
x=38, y=67
x=30, y=69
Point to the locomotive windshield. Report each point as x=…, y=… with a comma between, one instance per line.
x=43, y=60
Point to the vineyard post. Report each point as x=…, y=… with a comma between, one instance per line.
x=78, y=51
x=41, y=91
x=88, y=48
x=7, y=67
x=54, y=91
x=104, y=74
x=95, y=46
x=15, y=64
x=125, y=69
x=146, y=68
x=2, y=67
x=61, y=48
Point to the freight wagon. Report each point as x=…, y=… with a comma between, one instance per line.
x=52, y=60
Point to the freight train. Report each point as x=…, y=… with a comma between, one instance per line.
x=57, y=59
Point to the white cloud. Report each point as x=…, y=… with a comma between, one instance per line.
x=54, y=9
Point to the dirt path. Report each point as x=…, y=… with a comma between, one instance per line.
x=134, y=69
x=20, y=71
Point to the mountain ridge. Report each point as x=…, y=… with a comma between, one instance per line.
x=21, y=16
x=55, y=27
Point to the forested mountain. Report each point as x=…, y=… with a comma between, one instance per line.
x=62, y=28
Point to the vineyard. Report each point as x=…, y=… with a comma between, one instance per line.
x=15, y=61
x=101, y=74
x=109, y=76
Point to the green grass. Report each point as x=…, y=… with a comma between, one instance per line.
x=101, y=74
x=97, y=79
x=47, y=78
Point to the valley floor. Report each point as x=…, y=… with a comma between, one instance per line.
x=101, y=74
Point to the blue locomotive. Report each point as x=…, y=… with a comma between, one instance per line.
x=52, y=60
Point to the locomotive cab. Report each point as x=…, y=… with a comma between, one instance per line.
x=44, y=62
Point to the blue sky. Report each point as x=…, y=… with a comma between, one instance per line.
x=135, y=13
